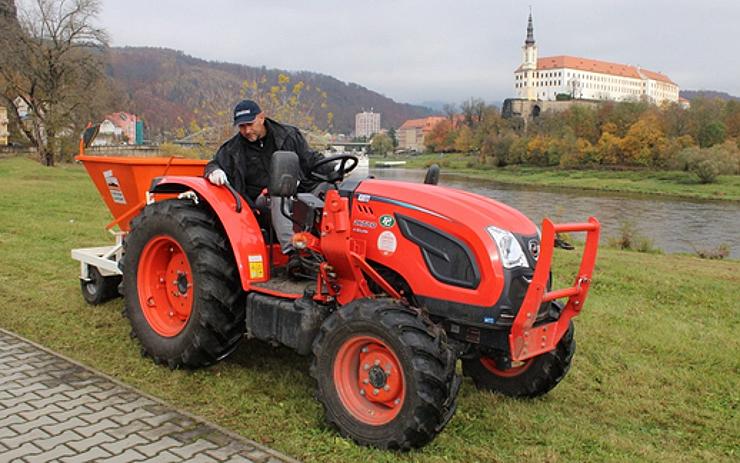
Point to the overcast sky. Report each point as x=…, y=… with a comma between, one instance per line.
x=415, y=51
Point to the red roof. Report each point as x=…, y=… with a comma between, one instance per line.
x=602, y=67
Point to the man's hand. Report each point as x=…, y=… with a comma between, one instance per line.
x=217, y=177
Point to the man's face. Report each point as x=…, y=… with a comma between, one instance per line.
x=254, y=130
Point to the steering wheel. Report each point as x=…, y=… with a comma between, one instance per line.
x=347, y=163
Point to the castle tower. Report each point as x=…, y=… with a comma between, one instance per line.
x=529, y=61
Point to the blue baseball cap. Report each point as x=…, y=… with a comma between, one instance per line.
x=245, y=112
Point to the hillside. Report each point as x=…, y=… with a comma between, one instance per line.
x=711, y=94
x=170, y=89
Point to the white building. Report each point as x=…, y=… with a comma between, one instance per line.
x=3, y=126
x=544, y=78
x=367, y=123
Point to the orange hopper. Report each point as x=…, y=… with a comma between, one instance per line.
x=123, y=182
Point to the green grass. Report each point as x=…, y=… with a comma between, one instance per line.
x=669, y=183
x=655, y=377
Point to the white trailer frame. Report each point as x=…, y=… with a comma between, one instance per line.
x=104, y=258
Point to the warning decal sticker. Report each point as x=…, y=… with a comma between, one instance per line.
x=114, y=187
x=387, y=242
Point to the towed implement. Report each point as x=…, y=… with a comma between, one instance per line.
x=399, y=281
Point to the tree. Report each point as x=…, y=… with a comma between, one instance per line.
x=52, y=66
x=440, y=138
x=464, y=140
x=473, y=110
x=711, y=134
x=394, y=138
x=381, y=144
x=292, y=103
x=450, y=111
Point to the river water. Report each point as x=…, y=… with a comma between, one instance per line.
x=673, y=225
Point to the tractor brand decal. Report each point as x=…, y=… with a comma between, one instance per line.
x=363, y=226
x=256, y=268
x=387, y=221
x=114, y=187
x=363, y=198
x=387, y=242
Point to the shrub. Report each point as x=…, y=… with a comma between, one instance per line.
x=719, y=253
x=628, y=239
x=706, y=169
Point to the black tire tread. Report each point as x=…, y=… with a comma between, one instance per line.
x=540, y=378
x=221, y=321
x=433, y=368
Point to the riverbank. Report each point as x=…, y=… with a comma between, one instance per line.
x=665, y=183
x=652, y=379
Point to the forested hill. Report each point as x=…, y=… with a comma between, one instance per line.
x=171, y=90
x=710, y=94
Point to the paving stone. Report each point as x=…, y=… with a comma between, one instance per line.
x=129, y=455
x=78, y=402
x=39, y=412
x=158, y=446
x=59, y=439
x=93, y=441
x=164, y=457
x=201, y=458
x=121, y=432
x=258, y=455
x=96, y=428
x=10, y=420
x=94, y=454
x=225, y=451
x=21, y=439
x=120, y=445
x=160, y=431
x=198, y=446
x=24, y=450
x=59, y=428
x=28, y=425
x=126, y=418
x=53, y=454
x=95, y=417
x=239, y=459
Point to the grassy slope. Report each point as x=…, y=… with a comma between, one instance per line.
x=670, y=183
x=655, y=377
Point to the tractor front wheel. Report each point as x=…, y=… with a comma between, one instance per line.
x=182, y=290
x=531, y=378
x=385, y=374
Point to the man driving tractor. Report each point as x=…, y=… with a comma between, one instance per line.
x=243, y=161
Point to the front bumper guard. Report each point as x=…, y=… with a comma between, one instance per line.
x=527, y=341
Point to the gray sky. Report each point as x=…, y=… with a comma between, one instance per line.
x=414, y=50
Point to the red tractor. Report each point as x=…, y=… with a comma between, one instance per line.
x=406, y=279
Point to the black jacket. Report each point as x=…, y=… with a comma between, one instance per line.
x=248, y=170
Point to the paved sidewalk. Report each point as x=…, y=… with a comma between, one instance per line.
x=52, y=409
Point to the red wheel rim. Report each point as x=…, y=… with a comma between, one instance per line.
x=369, y=380
x=165, y=283
x=516, y=369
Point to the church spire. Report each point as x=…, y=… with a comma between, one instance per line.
x=530, y=30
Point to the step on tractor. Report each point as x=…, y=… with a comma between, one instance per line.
x=399, y=281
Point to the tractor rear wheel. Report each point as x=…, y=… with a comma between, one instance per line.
x=531, y=378
x=182, y=290
x=98, y=289
x=385, y=374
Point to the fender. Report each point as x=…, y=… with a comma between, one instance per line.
x=242, y=229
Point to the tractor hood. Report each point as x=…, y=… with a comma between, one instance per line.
x=470, y=209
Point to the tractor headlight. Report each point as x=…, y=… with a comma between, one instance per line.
x=511, y=252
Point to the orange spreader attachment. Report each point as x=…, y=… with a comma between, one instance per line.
x=124, y=181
